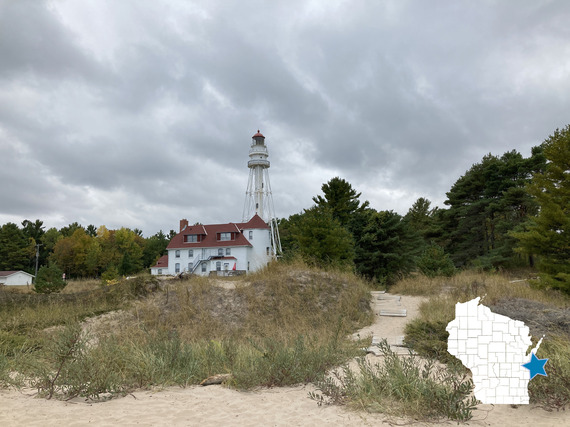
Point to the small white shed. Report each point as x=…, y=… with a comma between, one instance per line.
x=15, y=278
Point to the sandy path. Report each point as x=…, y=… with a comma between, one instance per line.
x=219, y=406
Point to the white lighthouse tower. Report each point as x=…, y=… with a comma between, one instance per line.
x=258, y=196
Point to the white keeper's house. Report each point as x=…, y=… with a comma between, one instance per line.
x=222, y=249
x=233, y=248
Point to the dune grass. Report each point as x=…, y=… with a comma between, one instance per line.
x=287, y=324
x=427, y=335
x=401, y=386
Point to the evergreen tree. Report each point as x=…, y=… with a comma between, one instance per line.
x=318, y=237
x=485, y=205
x=388, y=247
x=548, y=232
x=15, y=249
x=50, y=279
x=342, y=200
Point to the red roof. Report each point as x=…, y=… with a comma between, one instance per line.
x=254, y=222
x=7, y=273
x=258, y=134
x=162, y=262
x=209, y=234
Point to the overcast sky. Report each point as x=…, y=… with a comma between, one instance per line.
x=140, y=113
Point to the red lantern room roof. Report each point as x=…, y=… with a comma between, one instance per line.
x=258, y=134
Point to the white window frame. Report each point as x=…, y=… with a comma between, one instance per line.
x=218, y=265
x=228, y=251
x=250, y=234
x=177, y=253
x=177, y=267
x=190, y=253
x=225, y=236
x=220, y=251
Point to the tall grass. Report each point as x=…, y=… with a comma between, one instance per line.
x=402, y=386
x=427, y=335
x=287, y=324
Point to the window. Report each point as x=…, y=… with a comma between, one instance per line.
x=177, y=267
x=226, y=266
x=218, y=266
x=250, y=234
x=190, y=266
x=225, y=236
x=228, y=251
x=190, y=253
x=160, y=271
x=177, y=253
x=191, y=238
x=221, y=252
x=248, y=266
x=267, y=250
x=203, y=267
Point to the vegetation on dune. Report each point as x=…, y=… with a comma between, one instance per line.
x=289, y=324
x=545, y=312
x=401, y=386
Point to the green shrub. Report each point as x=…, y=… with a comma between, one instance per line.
x=110, y=276
x=435, y=262
x=49, y=279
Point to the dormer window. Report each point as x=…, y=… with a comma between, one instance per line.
x=192, y=238
x=225, y=236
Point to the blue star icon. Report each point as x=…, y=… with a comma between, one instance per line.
x=536, y=366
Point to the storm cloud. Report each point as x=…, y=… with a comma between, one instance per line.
x=139, y=113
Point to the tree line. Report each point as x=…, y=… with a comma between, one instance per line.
x=79, y=251
x=505, y=212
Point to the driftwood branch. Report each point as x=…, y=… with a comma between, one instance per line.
x=216, y=379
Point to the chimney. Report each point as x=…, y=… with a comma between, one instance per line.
x=183, y=224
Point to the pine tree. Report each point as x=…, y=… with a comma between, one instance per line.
x=342, y=200
x=548, y=233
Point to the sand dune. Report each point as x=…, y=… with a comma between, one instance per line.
x=219, y=406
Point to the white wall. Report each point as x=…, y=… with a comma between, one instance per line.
x=257, y=256
x=19, y=278
x=239, y=252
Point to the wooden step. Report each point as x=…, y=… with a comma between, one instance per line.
x=394, y=313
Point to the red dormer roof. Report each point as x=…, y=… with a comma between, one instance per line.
x=258, y=134
x=209, y=237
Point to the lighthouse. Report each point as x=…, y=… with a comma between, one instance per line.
x=258, y=196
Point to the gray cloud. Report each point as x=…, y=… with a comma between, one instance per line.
x=140, y=113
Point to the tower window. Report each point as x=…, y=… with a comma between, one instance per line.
x=250, y=234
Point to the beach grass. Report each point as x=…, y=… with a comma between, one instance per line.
x=545, y=312
x=287, y=324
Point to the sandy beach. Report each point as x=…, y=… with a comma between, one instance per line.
x=217, y=405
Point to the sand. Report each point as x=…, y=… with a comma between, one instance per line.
x=216, y=405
